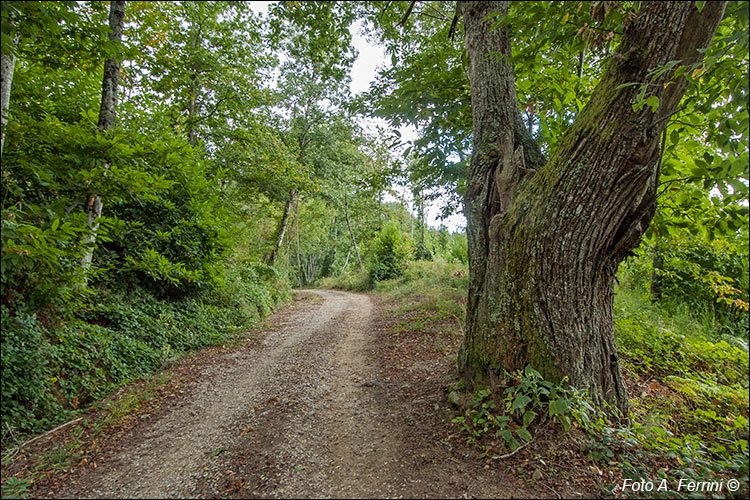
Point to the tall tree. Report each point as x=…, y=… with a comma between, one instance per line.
x=545, y=237
x=7, y=66
x=313, y=83
x=107, y=112
x=281, y=231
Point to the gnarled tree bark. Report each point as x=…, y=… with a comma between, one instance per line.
x=546, y=237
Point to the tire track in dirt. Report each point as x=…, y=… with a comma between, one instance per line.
x=365, y=448
x=333, y=442
x=311, y=412
x=168, y=460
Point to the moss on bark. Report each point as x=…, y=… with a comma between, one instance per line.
x=543, y=253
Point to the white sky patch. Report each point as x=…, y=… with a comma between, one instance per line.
x=456, y=222
x=260, y=7
x=370, y=56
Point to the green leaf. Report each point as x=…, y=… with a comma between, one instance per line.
x=565, y=421
x=520, y=402
x=653, y=101
x=622, y=86
x=512, y=442
x=528, y=417
x=524, y=434
x=55, y=224
x=530, y=372
x=558, y=406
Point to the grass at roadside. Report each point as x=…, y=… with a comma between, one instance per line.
x=78, y=443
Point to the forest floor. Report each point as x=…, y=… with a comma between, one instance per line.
x=317, y=404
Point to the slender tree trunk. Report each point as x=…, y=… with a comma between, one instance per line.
x=192, y=135
x=420, y=218
x=7, y=66
x=310, y=269
x=351, y=233
x=329, y=271
x=299, y=257
x=335, y=242
x=195, y=37
x=380, y=210
x=107, y=112
x=282, y=227
x=545, y=238
x=346, y=261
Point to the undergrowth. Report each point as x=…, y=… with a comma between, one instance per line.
x=54, y=367
x=687, y=377
x=526, y=401
x=355, y=280
x=690, y=397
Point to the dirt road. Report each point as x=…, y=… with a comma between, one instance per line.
x=308, y=413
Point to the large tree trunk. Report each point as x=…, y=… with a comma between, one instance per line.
x=107, y=112
x=546, y=237
x=7, y=66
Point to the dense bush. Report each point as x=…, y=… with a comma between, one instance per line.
x=709, y=279
x=52, y=369
x=452, y=247
x=255, y=289
x=422, y=252
x=175, y=237
x=356, y=280
x=458, y=250
x=390, y=251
